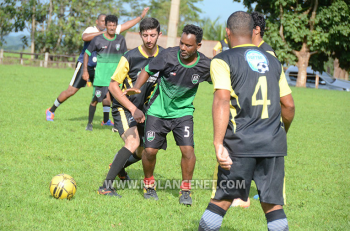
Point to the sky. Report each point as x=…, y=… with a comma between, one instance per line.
x=222, y=8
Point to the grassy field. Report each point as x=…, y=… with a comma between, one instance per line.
x=34, y=150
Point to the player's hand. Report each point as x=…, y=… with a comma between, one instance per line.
x=144, y=12
x=85, y=75
x=223, y=157
x=132, y=91
x=138, y=116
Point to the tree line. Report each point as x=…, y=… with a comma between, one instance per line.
x=303, y=33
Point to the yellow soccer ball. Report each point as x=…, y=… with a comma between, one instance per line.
x=63, y=186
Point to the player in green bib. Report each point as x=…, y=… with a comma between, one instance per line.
x=109, y=48
x=181, y=69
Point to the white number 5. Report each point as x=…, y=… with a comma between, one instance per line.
x=187, y=131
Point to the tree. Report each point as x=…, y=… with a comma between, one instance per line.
x=306, y=32
x=213, y=30
x=8, y=19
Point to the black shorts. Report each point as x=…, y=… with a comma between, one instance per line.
x=123, y=120
x=156, y=130
x=99, y=94
x=77, y=79
x=267, y=172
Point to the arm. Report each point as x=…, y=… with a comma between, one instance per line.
x=288, y=110
x=123, y=100
x=85, y=70
x=87, y=37
x=221, y=115
x=127, y=25
x=143, y=77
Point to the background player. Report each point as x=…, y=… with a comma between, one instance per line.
x=127, y=110
x=181, y=69
x=220, y=47
x=77, y=81
x=249, y=137
x=109, y=48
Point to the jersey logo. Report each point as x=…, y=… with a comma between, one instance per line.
x=94, y=59
x=151, y=135
x=131, y=119
x=105, y=47
x=195, y=78
x=117, y=46
x=98, y=93
x=257, y=61
x=173, y=73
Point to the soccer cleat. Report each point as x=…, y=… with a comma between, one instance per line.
x=108, y=123
x=150, y=193
x=88, y=127
x=108, y=192
x=240, y=203
x=49, y=115
x=185, y=198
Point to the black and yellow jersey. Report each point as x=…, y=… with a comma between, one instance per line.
x=127, y=72
x=266, y=47
x=177, y=84
x=221, y=46
x=256, y=82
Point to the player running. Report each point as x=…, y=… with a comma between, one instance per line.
x=127, y=111
x=77, y=81
x=109, y=48
x=181, y=69
x=252, y=111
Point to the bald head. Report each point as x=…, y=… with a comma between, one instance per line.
x=240, y=24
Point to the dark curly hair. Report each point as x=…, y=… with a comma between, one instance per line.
x=111, y=18
x=195, y=30
x=149, y=24
x=259, y=21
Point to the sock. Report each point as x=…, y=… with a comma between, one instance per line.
x=277, y=220
x=149, y=182
x=55, y=105
x=132, y=159
x=106, y=110
x=117, y=165
x=92, y=110
x=212, y=218
x=185, y=185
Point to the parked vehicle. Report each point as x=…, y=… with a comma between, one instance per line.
x=326, y=81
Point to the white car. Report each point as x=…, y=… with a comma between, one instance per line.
x=326, y=81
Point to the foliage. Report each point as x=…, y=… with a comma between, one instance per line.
x=213, y=30
x=322, y=25
x=33, y=151
x=8, y=19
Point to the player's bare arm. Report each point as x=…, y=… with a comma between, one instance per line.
x=287, y=110
x=221, y=115
x=85, y=69
x=127, y=25
x=87, y=37
x=143, y=77
x=123, y=100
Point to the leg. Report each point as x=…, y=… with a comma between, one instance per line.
x=214, y=214
x=188, y=161
x=149, y=161
x=106, y=109
x=275, y=217
x=92, y=109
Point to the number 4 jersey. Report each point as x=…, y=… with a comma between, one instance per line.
x=256, y=82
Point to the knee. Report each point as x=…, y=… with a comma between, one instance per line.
x=132, y=144
x=71, y=91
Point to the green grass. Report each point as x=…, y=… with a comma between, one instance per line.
x=33, y=151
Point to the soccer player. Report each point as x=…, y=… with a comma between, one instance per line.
x=220, y=47
x=127, y=110
x=181, y=69
x=252, y=111
x=77, y=81
x=109, y=48
x=258, y=33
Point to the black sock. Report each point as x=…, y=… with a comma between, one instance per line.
x=106, y=109
x=132, y=159
x=92, y=110
x=117, y=165
x=55, y=105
